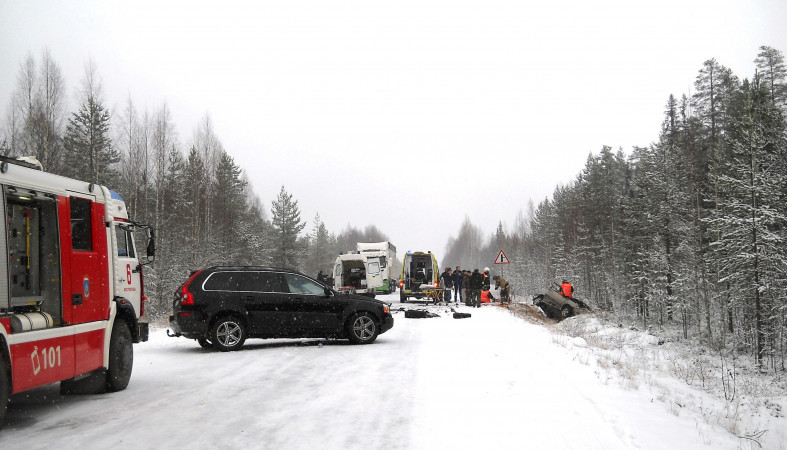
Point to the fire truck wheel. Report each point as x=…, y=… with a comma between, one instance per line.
x=3, y=390
x=121, y=357
x=228, y=333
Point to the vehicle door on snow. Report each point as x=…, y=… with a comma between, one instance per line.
x=313, y=309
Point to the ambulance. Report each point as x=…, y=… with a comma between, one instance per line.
x=419, y=273
x=355, y=273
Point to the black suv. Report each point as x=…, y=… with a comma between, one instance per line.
x=222, y=306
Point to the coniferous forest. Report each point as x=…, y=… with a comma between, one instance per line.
x=190, y=190
x=687, y=231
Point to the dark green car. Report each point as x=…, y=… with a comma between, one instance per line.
x=557, y=306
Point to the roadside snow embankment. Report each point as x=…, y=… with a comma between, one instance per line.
x=687, y=378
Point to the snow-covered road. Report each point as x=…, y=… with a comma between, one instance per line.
x=489, y=381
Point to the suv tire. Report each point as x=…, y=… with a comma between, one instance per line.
x=362, y=328
x=228, y=333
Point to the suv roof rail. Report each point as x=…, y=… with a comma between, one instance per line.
x=281, y=269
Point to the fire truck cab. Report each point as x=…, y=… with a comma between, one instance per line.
x=71, y=285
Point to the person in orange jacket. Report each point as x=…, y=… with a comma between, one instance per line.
x=566, y=289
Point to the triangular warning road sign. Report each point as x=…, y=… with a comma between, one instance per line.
x=502, y=258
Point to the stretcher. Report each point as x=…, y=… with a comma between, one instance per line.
x=434, y=294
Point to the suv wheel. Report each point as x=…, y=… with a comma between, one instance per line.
x=228, y=333
x=362, y=328
x=566, y=312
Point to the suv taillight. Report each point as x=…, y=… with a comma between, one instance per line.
x=186, y=297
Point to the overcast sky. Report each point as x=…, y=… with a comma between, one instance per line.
x=407, y=115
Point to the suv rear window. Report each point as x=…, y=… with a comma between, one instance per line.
x=223, y=281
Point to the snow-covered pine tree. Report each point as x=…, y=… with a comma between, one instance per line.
x=228, y=204
x=288, y=249
x=322, y=249
x=89, y=154
x=750, y=247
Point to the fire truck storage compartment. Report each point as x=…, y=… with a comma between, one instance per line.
x=33, y=259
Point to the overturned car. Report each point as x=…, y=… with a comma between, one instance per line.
x=557, y=306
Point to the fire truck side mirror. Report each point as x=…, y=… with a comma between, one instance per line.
x=151, y=250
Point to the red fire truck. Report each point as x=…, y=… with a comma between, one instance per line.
x=71, y=287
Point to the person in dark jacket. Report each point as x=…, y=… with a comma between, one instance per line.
x=457, y=284
x=447, y=280
x=476, y=284
x=466, y=288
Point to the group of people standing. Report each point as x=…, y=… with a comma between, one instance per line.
x=467, y=286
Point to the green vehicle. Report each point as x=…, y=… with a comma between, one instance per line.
x=387, y=254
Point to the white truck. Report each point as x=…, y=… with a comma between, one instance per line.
x=72, y=298
x=387, y=254
x=354, y=273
